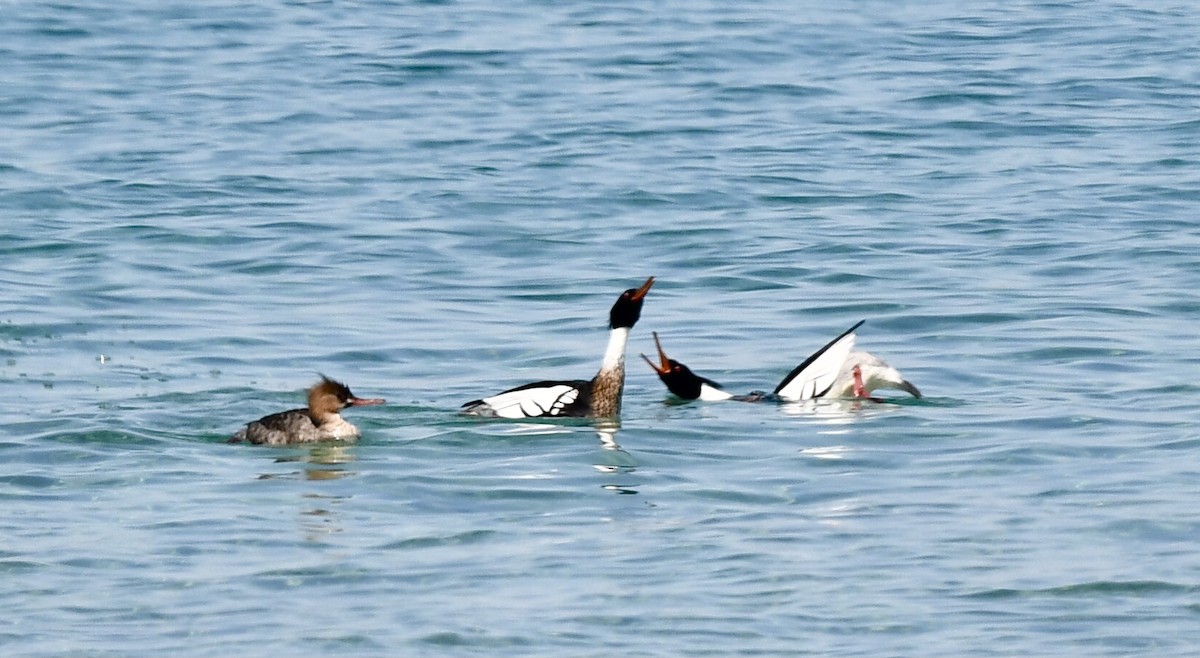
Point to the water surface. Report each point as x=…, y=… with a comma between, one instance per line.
x=204, y=207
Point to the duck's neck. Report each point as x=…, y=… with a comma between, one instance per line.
x=331, y=425
x=610, y=381
x=325, y=417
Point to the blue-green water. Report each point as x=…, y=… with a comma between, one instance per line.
x=204, y=206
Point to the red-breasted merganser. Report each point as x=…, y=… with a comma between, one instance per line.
x=598, y=398
x=834, y=371
x=319, y=422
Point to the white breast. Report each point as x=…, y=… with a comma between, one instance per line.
x=339, y=428
x=712, y=393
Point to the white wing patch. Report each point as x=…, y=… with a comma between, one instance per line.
x=820, y=374
x=533, y=402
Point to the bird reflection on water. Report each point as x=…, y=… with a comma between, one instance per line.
x=319, y=462
x=612, y=459
x=324, y=461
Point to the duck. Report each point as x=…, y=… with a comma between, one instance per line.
x=598, y=397
x=836, y=371
x=320, y=421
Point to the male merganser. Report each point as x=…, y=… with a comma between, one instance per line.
x=834, y=371
x=319, y=422
x=598, y=398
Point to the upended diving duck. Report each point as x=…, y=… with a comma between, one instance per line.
x=832, y=372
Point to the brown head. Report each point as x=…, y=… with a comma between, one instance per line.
x=328, y=396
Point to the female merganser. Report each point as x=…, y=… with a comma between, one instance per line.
x=319, y=422
x=598, y=398
x=834, y=371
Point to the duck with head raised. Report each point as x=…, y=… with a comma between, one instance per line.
x=599, y=397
